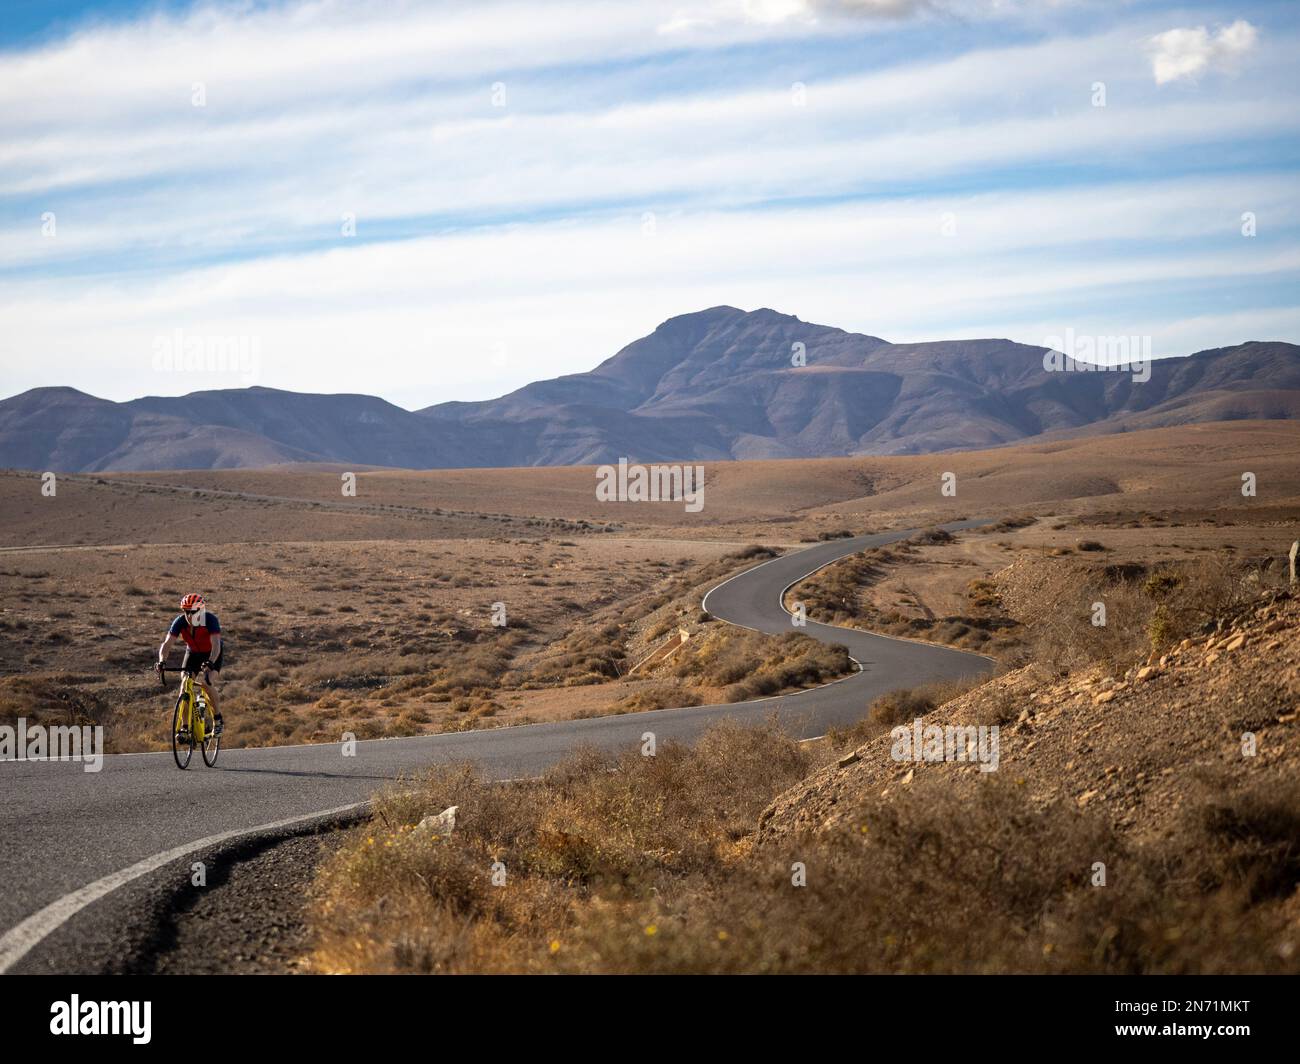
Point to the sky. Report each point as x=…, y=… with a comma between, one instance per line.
x=442, y=201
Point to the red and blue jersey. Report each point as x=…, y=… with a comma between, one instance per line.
x=199, y=637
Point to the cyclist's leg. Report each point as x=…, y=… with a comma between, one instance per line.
x=185, y=670
x=212, y=681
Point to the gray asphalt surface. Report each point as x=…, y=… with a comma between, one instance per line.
x=62, y=828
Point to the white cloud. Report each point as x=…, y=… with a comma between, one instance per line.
x=309, y=53
x=1188, y=53
x=707, y=14
x=423, y=320
x=870, y=8
x=250, y=181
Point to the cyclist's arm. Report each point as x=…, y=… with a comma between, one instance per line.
x=166, y=646
x=215, y=652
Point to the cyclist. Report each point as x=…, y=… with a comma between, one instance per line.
x=200, y=630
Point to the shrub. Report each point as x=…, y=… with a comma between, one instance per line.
x=591, y=831
x=1179, y=600
x=656, y=698
x=932, y=536
x=753, y=665
x=648, y=865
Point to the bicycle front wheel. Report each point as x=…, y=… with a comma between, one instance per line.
x=211, y=740
x=182, y=734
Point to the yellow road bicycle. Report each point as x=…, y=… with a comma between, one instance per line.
x=192, y=722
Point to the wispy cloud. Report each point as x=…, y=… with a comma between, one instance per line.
x=709, y=13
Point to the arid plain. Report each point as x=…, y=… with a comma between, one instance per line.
x=379, y=614
x=452, y=600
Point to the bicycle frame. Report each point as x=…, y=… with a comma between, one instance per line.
x=190, y=689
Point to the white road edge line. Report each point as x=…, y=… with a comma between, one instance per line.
x=20, y=939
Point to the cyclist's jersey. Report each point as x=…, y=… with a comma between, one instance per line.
x=198, y=638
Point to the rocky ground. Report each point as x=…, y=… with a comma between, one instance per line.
x=1216, y=712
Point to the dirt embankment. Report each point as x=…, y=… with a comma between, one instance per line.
x=1142, y=821
x=1136, y=745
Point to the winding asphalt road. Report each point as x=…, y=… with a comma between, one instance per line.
x=75, y=846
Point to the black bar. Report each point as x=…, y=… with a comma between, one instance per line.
x=611, y=1014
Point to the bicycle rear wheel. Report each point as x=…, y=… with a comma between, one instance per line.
x=182, y=734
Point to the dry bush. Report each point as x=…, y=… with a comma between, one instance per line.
x=476, y=706
x=931, y=537
x=645, y=865
x=656, y=698
x=588, y=655
x=901, y=706
x=1215, y=897
x=1251, y=841
x=58, y=699
x=1064, y=636
x=1011, y=524
x=834, y=595
x=831, y=594
x=751, y=664
x=1145, y=611
x=839, y=533
x=657, y=631
x=1205, y=590
x=898, y=707
x=753, y=552
x=593, y=831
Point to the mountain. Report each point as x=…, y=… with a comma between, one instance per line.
x=720, y=384
x=717, y=384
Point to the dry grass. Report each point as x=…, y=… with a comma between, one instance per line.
x=656, y=698
x=598, y=648
x=901, y=706
x=648, y=865
x=60, y=699
x=582, y=839
x=1146, y=610
x=838, y=594
x=588, y=655
x=377, y=640
x=748, y=664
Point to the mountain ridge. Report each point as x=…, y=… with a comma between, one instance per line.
x=716, y=384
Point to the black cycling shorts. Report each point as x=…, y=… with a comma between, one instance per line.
x=196, y=659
